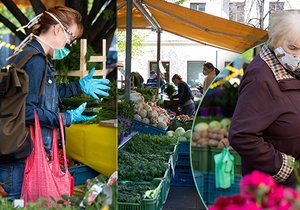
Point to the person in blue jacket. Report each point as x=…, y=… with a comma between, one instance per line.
x=152, y=81
x=53, y=33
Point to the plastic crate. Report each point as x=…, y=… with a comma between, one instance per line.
x=166, y=185
x=147, y=128
x=174, y=155
x=81, y=173
x=201, y=184
x=213, y=192
x=183, y=160
x=184, y=148
x=182, y=177
x=200, y=157
x=147, y=204
x=237, y=160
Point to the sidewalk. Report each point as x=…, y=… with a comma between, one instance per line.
x=183, y=198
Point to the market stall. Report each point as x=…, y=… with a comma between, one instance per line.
x=152, y=156
x=92, y=146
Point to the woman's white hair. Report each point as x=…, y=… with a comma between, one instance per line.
x=284, y=25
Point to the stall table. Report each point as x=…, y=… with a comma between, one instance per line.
x=94, y=145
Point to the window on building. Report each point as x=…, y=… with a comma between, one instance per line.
x=194, y=73
x=166, y=65
x=237, y=11
x=276, y=6
x=198, y=6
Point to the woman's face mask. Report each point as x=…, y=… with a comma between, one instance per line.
x=290, y=62
x=61, y=53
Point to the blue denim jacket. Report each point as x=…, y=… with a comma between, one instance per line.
x=47, y=106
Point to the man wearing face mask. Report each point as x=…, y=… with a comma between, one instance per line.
x=53, y=33
x=265, y=125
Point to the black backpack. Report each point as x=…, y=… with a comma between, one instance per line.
x=15, y=141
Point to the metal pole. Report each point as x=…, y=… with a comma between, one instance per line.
x=158, y=59
x=128, y=50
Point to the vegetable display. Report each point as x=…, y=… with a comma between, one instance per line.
x=180, y=134
x=212, y=134
x=152, y=114
x=145, y=157
x=132, y=192
x=141, y=161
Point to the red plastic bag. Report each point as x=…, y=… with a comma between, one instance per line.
x=43, y=178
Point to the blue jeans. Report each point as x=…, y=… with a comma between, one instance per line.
x=11, y=178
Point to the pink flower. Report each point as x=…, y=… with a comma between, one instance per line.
x=275, y=197
x=291, y=194
x=259, y=191
x=281, y=197
x=255, y=185
x=233, y=203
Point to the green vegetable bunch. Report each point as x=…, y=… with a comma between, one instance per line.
x=149, y=94
x=169, y=90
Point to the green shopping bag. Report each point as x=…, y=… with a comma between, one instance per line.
x=224, y=169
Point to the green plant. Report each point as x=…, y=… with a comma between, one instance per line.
x=170, y=89
x=72, y=63
x=69, y=202
x=148, y=93
x=126, y=110
x=112, y=92
x=229, y=98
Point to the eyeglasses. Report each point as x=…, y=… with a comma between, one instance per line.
x=68, y=31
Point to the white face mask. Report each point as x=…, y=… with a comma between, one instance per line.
x=290, y=62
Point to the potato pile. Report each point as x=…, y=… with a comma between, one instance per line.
x=152, y=114
x=214, y=134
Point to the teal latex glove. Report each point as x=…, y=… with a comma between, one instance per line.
x=92, y=86
x=76, y=114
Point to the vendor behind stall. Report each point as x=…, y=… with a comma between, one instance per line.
x=184, y=95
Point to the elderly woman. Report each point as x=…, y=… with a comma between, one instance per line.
x=265, y=125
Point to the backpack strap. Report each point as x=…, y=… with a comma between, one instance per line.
x=26, y=58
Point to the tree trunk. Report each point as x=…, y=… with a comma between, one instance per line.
x=100, y=25
x=12, y=7
x=94, y=30
x=97, y=5
x=108, y=35
x=12, y=27
x=38, y=6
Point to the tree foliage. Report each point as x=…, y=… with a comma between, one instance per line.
x=99, y=19
x=138, y=36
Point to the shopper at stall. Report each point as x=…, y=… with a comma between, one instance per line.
x=265, y=125
x=53, y=33
x=210, y=72
x=152, y=81
x=187, y=106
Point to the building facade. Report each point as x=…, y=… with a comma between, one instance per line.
x=186, y=58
